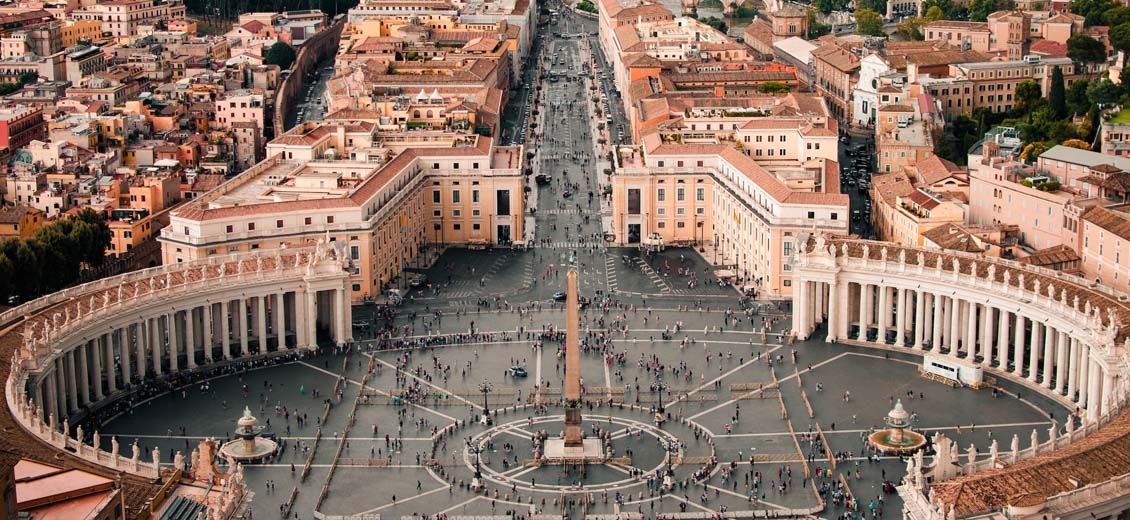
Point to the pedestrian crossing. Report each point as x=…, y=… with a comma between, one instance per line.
x=610, y=273
x=569, y=245
x=569, y=211
x=664, y=287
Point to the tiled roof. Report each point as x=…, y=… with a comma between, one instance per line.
x=1115, y=222
x=934, y=169
x=1051, y=256
x=954, y=24
x=953, y=237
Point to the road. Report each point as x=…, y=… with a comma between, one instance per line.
x=311, y=103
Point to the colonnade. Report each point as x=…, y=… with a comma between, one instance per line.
x=153, y=345
x=984, y=322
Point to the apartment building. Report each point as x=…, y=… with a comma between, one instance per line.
x=836, y=71
x=383, y=206
x=972, y=35
x=124, y=18
x=1105, y=246
x=748, y=208
x=20, y=125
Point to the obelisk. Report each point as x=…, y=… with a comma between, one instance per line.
x=572, y=365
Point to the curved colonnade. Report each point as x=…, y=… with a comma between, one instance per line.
x=1053, y=333
x=89, y=345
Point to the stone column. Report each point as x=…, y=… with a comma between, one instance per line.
x=262, y=318
x=953, y=320
x=864, y=310
x=834, y=310
x=971, y=331
x=174, y=342
x=1061, y=361
x=225, y=329
x=111, y=370
x=900, y=318
x=884, y=314
x=1084, y=374
x=800, y=314
x=142, y=346
x=83, y=374
x=241, y=323
x=1002, y=339
x=52, y=391
x=312, y=318
x=1108, y=399
x=71, y=379
x=280, y=319
x=1073, y=367
x=1050, y=335
x=986, y=335
x=125, y=352
x=936, y=323
x=919, y=317
x=158, y=343
x=96, y=356
x=1034, y=355
x=190, y=336
x=339, y=314
x=1094, y=395
x=300, y=340
x=61, y=388
x=1018, y=345
x=206, y=329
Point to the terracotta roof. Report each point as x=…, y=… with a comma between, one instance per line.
x=13, y=214
x=934, y=169
x=253, y=27
x=1051, y=256
x=1048, y=48
x=943, y=57
x=954, y=24
x=1100, y=456
x=1116, y=222
x=890, y=186
x=896, y=108
x=837, y=57
x=953, y=237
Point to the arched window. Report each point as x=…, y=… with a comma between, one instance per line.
x=430, y=114
x=416, y=114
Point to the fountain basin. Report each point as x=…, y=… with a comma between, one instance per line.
x=888, y=442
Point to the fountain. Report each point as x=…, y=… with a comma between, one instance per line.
x=897, y=438
x=248, y=446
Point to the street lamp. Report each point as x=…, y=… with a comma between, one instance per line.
x=660, y=386
x=670, y=447
x=476, y=450
x=485, y=387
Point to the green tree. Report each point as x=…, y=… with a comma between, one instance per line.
x=1103, y=91
x=868, y=22
x=1120, y=37
x=715, y=23
x=1077, y=100
x=1116, y=15
x=280, y=54
x=1093, y=10
x=1056, y=95
x=1084, y=49
x=1027, y=94
x=773, y=87
x=934, y=13
x=979, y=10
x=879, y=6
x=911, y=28
x=952, y=10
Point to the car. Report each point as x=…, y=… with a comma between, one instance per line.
x=517, y=371
x=542, y=179
x=567, y=194
x=559, y=296
x=416, y=279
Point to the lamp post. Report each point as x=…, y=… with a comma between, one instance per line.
x=485, y=387
x=477, y=480
x=670, y=447
x=660, y=386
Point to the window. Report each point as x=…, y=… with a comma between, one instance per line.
x=251, y=226
x=633, y=201
x=475, y=196
x=661, y=195
x=502, y=202
x=787, y=248
x=835, y=216
x=455, y=196
x=680, y=194
x=700, y=194
x=308, y=221
x=475, y=227
x=279, y=223
x=435, y=197
x=228, y=229
x=330, y=219
x=680, y=225
x=456, y=213
x=456, y=227
x=811, y=214
x=662, y=225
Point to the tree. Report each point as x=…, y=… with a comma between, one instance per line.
x=1077, y=100
x=1033, y=150
x=979, y=10
x=1103, y=91
x=1093, y=10
x=773, y=87
x=715, y=23
x=1116, y=15
x=1027, y=94
x=952, y=10
x=869, y=23
x=1056, y=95
x=1084, y=49
x=934, y=13
x=280, y=54
x=911, y=28
x=879, y=6
x=1120, y=37
x=1077, y=143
